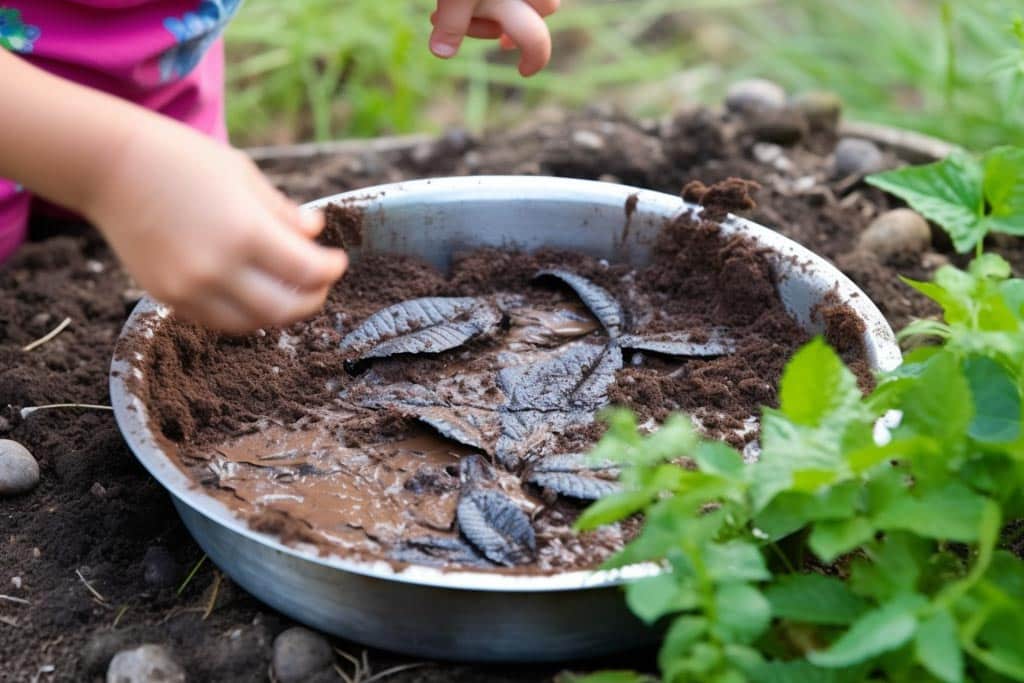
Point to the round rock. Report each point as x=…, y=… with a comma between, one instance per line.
x=159, y=568
x=900, y=231
x=857, y=157
x=145, y=664
x=820, y=108
x=755, y=95
x=19, y=471
x=299, y=654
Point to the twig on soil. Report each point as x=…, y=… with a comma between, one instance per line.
x=191, y=574
x=48, y=336
x=25, y=412
x=10, y=621
x=95, y=593
x=120, y=613
x=213, y=596
x=386, y=673
x=11, y=598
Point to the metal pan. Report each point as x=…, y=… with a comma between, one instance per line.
x=471, y=616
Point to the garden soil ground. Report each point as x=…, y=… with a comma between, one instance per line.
x=94, y=557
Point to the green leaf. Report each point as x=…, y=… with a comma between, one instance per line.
x=832, y=538
x=892, y=566
x=948, y=192
x=676, y=437
x=612, y=508
x=937, y=648
x=804, y=672
x=1013, y=296
x=735, y=561
x=682, y=635
x=1004, y=189
x=607, y=677
x=952, y=512
x=881, y=630
x=938, y=404
x=654, y=597
x=814, y=599
x=816, y=384
x=997, y=404
x=790, y=511
x=742, y=613
x=715, y=457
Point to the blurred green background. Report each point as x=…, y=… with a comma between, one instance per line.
x=326, y=69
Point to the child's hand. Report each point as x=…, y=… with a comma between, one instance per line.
x=518, y=23
x=202, y=230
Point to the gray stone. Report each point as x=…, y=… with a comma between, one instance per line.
x=755, y=95
x=857, y=157
x=159, y=568
x=900, y=231
x=145, y=664
x=822, y=109
x=19, y=471
x=588, y=139
x=299, y=654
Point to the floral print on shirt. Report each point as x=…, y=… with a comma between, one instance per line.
x=16, y=35
x=194, y=33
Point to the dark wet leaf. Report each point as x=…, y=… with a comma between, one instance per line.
x=438, y=551
x=582, y=485
x=450, y=424
x=600, y=302
x=429, y=325
x=679, y=344
x=573, y=475
x=572, y=462
x=496, y=526
x=577, y=379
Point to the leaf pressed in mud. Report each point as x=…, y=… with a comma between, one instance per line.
x=679, y=344
x=600, y=302
x=429, y=325
x=499, y=529
x=570, y=474
x=575, y=380
x=437, y=551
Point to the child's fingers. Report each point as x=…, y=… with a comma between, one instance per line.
x=218, y=312
x=295, y=260
x=484, y=28
x=451, y=22
x=506, y=42
x=268, y=301
x=544, y=7
x=308, y=223
x=478, y=28
x=525, y=27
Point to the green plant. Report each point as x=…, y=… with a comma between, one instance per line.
x=865, y=543
x=968, y=196
x=950, y=69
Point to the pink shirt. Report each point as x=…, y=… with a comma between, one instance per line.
x=165, y=55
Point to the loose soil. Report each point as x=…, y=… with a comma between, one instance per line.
x=288, y=430
x=96, y=512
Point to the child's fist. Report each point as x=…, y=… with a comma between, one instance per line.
x=515, y=22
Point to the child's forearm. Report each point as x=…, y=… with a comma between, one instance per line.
x=59, y=139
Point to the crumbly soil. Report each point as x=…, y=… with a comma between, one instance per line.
x=96, y=512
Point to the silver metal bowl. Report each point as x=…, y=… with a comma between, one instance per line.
x=470, y=616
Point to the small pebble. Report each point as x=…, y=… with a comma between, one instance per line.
x=19, y=471
x=588, y=140
x=95, y=267
x=5, y=425
x=822, y=109
x=16, y=582
x=856, y=157
x=780, y=126
x=159, y=568
x=901, y=231
x=145, y=664
x=299, y=653
x=755, y=95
